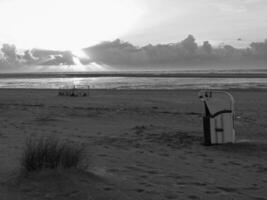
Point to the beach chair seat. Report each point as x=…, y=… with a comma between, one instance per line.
x=218, y=119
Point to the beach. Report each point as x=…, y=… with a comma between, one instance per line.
x=140, y=144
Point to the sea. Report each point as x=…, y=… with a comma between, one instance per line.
x=159, y=79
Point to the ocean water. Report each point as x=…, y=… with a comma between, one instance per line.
x=135, y=83
x=163, y=80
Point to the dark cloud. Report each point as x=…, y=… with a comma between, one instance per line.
x=50, y=57
x=259, y=49
x=186, y=52
x=11, y=60
x=118, y=53
x=9, y=52
x=207, y=48
x=189, y=45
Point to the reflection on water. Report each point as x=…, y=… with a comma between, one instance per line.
x=136, y=83
x=68, y=68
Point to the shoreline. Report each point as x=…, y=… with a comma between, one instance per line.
x=142, y=90
x=133, y=75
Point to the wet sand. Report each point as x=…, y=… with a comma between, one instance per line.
x=141, y=144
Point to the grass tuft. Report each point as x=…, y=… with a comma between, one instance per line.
x=50, y=153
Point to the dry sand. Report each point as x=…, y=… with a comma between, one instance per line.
x=140, y=145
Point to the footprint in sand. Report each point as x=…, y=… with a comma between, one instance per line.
x=139, y=190
x=234, y=163
x=143, y=176
x=170, y=195
x=258, y=198
x=212, y=192
x=147, y=185
x=209, y=160
x=102, y=155
x=193, y=197
x=202, y=155
x=108, y=189
x=140, y=152
x=228, y=189
x=164, y=154
x=113, y=170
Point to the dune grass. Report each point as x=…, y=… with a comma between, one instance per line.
x=50, y=153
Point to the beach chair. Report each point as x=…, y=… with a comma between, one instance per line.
x=218, y=120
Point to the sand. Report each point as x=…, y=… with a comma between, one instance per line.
x=140, y=144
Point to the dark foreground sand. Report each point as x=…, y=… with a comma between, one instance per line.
x=140, y=145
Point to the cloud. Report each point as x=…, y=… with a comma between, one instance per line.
x=12, y=60
x=51, y=57
x=186, y=52
x=124, y=55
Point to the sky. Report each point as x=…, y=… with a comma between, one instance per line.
x=74, y=24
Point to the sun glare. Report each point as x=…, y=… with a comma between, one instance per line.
x=66, y=24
